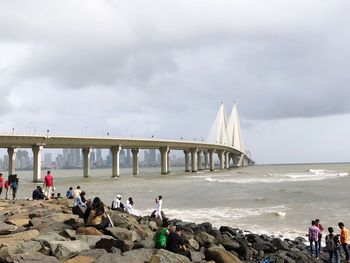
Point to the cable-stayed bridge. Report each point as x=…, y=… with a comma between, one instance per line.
x=224, y=139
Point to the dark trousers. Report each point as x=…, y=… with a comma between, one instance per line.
x=346, y=250
x=316, y=247
x=335, y=254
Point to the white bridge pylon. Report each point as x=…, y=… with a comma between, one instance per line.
x=227, y=133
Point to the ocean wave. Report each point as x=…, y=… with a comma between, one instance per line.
x=310, y=175
x=222, y=214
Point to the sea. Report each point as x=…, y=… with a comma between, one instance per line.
x=278, y=200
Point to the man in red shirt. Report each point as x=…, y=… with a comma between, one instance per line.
x=48, y=183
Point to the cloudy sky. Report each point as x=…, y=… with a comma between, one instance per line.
x=163, y=67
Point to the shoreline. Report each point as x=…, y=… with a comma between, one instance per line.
x=56, y=235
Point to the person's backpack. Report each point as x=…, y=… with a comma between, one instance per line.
x=14, y=184
x=330, y=244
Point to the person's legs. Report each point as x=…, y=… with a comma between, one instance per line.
x=346, y=250
x=330, y=256
x=317, y=252
x=186, y=253
x=311, y=250
x=0, y=190
x=14, y=192
x=336, y=255
x=7, y=190
x=319, y=244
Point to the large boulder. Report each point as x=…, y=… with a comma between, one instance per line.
x=108, y=244
x=22, y=236
x=122, y=233
x=66, y=249
x=49, y=236
x=165, y=256
x=81, y=259
x=88, y=231
x=221, y=256
x=280, y=244
x=33, y=257
x=91, y=240
x=227, y=242
x=8, y=250
x=137, y=255
x=204, y=239
x=6, y=228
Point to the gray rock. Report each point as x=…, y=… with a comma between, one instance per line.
x=107, y=244
x=66, y=249
x=197, y=257
x=153, y=225
x=49, y=236
x=68, y=233
x=227, y=243
x=34, y=257
x=165, y=256
x=204, y=239
x=138, y=255
x=122, y=233
x=145, y=242
x=11, y=248
x=279, y=244
x=97, y=252
x=6, y=228
x=91, y=240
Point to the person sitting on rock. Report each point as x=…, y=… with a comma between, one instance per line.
x=69, y=193
x=117, y=204
x=78, y=205
x=161, y=236
x=96, y=215
x=38, y=193
x=176, y=244
x=129, y=207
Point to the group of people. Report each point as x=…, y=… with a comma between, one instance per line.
x=170, y=237
x=48, y=193
x=10, y=184
x=334, y=242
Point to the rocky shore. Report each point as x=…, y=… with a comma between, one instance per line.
x=47, y=231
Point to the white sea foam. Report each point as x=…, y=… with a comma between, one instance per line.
x=310, y=175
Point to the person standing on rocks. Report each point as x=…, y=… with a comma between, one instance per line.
x=314, y=233
x=344, y=237
x=332, y=245
x=320, y=227
x=14, y=186
x=48, y=183
x=1, y=182
x=159, y=202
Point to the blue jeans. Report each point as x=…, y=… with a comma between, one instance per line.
x=346, y=250
x=316, y=247
x=336, y=255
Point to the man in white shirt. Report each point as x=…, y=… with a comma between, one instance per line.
x=159, y=203
x=116, y=204
x=76, y=192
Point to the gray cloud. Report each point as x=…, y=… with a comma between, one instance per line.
x=156, y=67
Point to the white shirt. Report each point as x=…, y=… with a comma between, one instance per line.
x=116, y=203
x=159, y=209
x=76, y=193
x=77, y=201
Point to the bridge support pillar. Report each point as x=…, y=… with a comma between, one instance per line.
x=37, y=162
x=206, y=160
x=11, y=151
x=194, y=159
x=86, y=161
x=221, y=159
x=241, y=160
x=187, y=161
x=200, y=160
x=115, y=150
x=164, y=159
x=211, y=160
x=135, y=161
x=227, y=160
x=168, y=162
